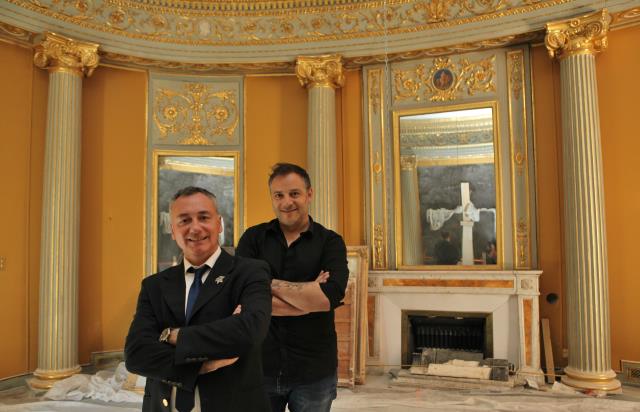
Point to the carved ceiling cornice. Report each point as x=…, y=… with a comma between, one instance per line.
x=131, y=33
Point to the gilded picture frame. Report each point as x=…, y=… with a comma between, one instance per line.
x=403, y=163
x=216, y=171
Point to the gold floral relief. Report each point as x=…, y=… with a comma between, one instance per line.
x=377, y=168
x=522, y=244
x=196, y=115
x=515, y=72
x=445, y=80
x=217, y=23
x=379, y=258
x=374, y=90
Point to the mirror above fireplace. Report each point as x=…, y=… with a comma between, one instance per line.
x=447, y=189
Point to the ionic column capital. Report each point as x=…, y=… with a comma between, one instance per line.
x=580, y=35
x=59, y=53
x=320, y=71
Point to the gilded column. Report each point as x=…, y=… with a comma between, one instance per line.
x=575, y=43
x=411, y=225
x=321, y=75
x=67, y=61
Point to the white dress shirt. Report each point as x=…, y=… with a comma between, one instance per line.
x=188, y=281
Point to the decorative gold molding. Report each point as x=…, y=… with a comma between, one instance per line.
x=445, y=80
x=515, y=73
x=625, y=18
x=165, y=22
x=379, y=257
x=141, y=62
x=581, y=35
x=374, y=91
x=17, y=34
x=522, y=244
x=467, y=47
x=320, y=71
x=59, y=53
x=518, y=149
x=377, y=181
x=201, y=112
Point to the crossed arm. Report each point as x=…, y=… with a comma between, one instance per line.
x=299, y=298
x=221, y=340
x=213, y=364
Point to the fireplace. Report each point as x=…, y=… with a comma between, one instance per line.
x=506, y=301
x=471, y=333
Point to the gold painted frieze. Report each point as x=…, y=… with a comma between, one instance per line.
x=204, y=23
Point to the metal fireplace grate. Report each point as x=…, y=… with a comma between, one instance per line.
x=630, y=371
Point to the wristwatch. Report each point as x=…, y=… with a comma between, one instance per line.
x=164, y=335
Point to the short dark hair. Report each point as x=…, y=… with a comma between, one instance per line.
x=283, y=169
x=192, y=190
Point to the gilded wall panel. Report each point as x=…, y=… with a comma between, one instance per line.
x=438, y=86
x=376, y=166
x=519, y=159
x=443, y=79
x=195, y=137
x=195, y=111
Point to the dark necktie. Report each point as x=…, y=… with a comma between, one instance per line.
x=185, y=399
x=195, y=289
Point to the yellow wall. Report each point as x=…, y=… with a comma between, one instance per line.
x=275, y=131
x=16, y=73
x=112, y=202
x=548, y=149
x=618, y=99
x=349, y=101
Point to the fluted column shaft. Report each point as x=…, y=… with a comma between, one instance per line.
x=412, y=252
x=58, y=315
x=585, y=236
x=322, y=75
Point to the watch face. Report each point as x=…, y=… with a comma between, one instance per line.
x=165, y=335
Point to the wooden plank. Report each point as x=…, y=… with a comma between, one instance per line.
x=548, y=351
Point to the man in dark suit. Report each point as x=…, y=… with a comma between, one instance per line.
x=198, y=326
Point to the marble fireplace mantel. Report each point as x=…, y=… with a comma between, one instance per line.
x=510, y=296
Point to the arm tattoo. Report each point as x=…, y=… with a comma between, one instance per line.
x=283, y=284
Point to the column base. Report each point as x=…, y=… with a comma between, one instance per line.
x=529, y=373
x=44, y=379
x=601, y=383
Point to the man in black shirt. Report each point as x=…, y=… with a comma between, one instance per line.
x=309, y=267
x=446, y=252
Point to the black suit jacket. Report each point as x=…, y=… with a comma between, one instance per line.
x=212, y=333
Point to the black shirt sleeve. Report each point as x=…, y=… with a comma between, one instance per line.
x=334, y=261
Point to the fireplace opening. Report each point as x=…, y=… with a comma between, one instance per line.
x=462, y=333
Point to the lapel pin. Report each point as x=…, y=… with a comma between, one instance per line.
x=219, y=279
